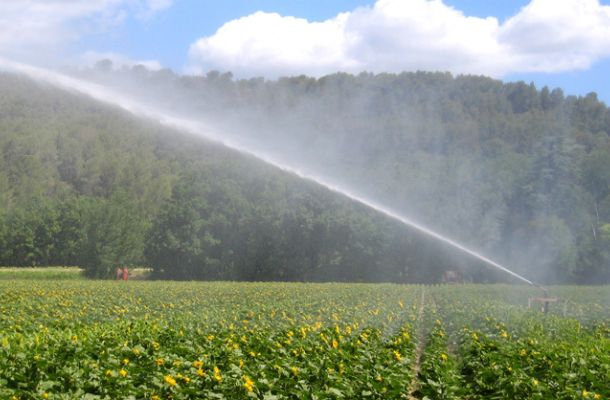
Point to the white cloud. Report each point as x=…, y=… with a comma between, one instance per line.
x=397, y=35
x=30, y=27
x=417, y=34
x=148, y=8
x=267, y=40
x=551, y=35
x=89, y=58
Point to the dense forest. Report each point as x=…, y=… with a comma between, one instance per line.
x=87, y=185
x=519, y=173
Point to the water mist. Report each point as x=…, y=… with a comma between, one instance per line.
x=198, y=128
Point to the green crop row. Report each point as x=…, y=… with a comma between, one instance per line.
x=110, y=340
x=173, y=340
x=506, y=350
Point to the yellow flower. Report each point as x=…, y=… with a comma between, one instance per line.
x=535, y=382
x=197, y=364
x=200, y=372
x=170, y=380
x=217, y=376
x=504, y=334
x=335, y=344
x=585, y=393
x=597, y=396
x=294, y=370
x=475, y=336
x=444, y=357
x=397, y=355
x=155, y=397
x=248, y=384
x=125, y=361
x=45, y=395
x=123, y=373
x=159, y=361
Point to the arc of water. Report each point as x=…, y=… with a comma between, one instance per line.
x=111, y=97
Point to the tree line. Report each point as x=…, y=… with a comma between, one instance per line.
x=520, y=173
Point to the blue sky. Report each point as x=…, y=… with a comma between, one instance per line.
x=522, y=41
x=167, y=37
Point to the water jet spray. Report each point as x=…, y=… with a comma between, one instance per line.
x=198, y=128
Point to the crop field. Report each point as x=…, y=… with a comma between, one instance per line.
x=41, y=273
x=78, y=339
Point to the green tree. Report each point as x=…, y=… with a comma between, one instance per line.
x=114, y=231
x=179, y=242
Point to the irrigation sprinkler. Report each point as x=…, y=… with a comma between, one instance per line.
x=545, y=300
x=199, y=128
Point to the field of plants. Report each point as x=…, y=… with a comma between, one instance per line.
x=41, y=273
x=77, y=339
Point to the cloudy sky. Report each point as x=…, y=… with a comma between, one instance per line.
x=563, y=43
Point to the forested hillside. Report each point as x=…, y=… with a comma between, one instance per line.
x=519, y=173
x=85, y=184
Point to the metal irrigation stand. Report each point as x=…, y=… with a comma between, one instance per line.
x=545, y=300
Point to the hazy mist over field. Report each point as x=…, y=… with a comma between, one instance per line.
x=513, y=170
x=396, y=146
